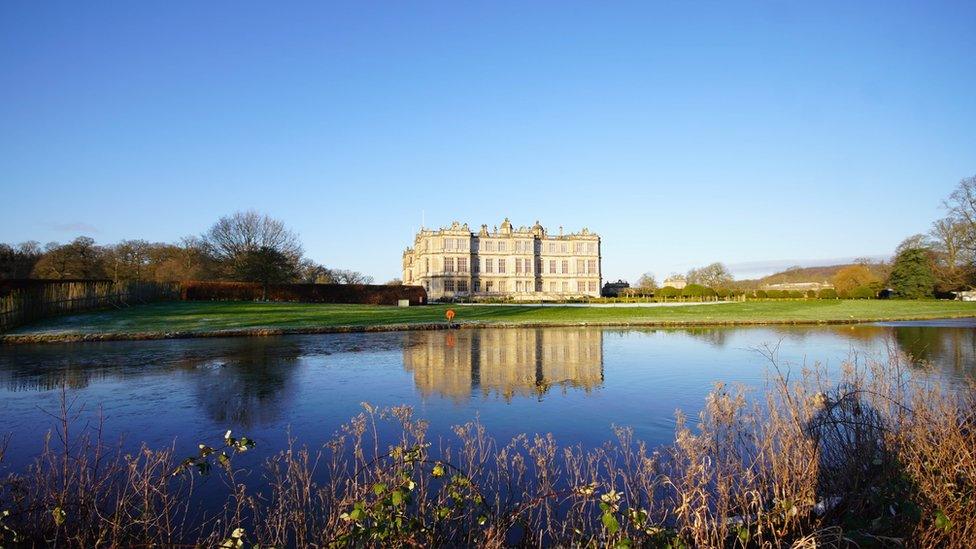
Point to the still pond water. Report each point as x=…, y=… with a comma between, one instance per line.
x=573, y=382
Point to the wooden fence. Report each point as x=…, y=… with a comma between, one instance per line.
x=23, y=301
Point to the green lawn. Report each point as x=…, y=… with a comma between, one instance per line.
x=215, y=316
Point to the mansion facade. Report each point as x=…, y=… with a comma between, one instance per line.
x=525, y=263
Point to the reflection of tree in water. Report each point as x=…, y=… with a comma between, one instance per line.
x=238, y=380
x=48, y=378
x=717, y=337
x=248, y=384
x=949, y=349
x=73, y=366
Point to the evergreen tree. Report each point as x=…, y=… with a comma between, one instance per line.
x=911, y=276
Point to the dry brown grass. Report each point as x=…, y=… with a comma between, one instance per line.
x=879, y=457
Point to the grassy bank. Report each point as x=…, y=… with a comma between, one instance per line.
x=188, y=319
x=879, y=459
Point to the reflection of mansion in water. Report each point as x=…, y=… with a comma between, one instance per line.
x=507, y=362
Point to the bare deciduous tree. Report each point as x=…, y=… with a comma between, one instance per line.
x=716, y=275
x=962, y=202
x=647, y=281
x=19, y=261
x=80, y=258
x=346, y=276
x=254, y=246
x=954, y=256
x=311, y=272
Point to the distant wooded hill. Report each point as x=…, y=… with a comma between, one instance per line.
x=823, y=273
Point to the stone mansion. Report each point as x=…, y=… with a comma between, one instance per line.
x=526, y=263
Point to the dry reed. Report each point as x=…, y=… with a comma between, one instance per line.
x=881, y=456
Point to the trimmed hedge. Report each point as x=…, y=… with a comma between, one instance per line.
x=667, y=291
x=863, y=292
x=696, y=290
x=368, y=294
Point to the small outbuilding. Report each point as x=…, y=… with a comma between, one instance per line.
x=968, y=295
x=613, y=289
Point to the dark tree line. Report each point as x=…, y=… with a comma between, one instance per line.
x=944, y=259
x=244, y=246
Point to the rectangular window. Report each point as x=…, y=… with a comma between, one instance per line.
x=448, y=264
x=489, y=286
x=476, y=286
x=448, y=285
x=552, y=266
x=474, y=264
x=580, y=266
x=578, y=247
x=592, y=263
x=538, y=286
x=565, y=287
x=489, y=265
x=592, y=285
x=592, y=247
x=518, y=265
x=552, y=247
x=462, y=265
x=565, y=266
x=501, y=246
x=580, y=286
x=489, y=246
x=518, y=286
x=501, y=285
x=564, y=247
x=553, y=287
x=462, y=285
x=501, y=267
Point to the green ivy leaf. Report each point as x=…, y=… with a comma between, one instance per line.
x=942, y=522
x=59, y=515
x=610, y=522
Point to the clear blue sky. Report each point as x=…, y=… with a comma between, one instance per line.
x=683, y=132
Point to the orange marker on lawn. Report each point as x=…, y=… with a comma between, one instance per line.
x=449, y=314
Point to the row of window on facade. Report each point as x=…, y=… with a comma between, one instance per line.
x=520, y=286
x=521, y=246
x=522, y=266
